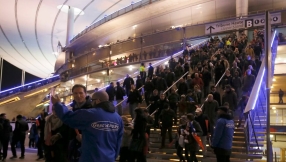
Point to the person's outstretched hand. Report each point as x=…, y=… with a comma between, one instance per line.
x=55, y=99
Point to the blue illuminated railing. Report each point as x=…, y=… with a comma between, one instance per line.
x=199, y=45
x=163, y=60
x=29, y=86
x=255, y=109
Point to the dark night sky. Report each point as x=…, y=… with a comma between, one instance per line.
x=12, y=76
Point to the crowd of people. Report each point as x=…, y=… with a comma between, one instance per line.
x=93, y=129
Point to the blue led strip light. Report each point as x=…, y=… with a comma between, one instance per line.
x=29, y=84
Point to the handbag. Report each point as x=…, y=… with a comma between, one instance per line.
x=181, y=141
x=136, y=145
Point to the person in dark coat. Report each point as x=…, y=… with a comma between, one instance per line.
x=81, y=101
x=119, y=94
x=127, y=84
x=40, y=122
x=230, y=97
x=203, y=120
x=182, y=87
x=138, y=132
x=148, y=89
x=150, y=71
x=19, y=135
x=191, y=145
x=216, y=95
x=4, y=134
x=207, y=77
x=110, y=90
x=134, y=99
x=166, y=117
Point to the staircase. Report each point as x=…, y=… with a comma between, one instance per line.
x=239, y=151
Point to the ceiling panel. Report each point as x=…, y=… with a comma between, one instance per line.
x=40, y=60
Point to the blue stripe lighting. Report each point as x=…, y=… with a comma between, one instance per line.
x=261, y=78
x=273, y=38
x=29, y=84
x=259, y=86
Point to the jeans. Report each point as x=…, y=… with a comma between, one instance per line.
x=132, y=107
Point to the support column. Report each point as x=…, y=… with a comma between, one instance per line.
x=242, y=10
x=23, y=77
x=268, y=71
x=70, y=25
x=1, y=70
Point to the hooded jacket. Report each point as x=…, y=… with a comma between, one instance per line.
x=223, y=133
x=101, y=127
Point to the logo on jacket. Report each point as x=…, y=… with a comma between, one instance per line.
x=229, y=125
x=105, y=126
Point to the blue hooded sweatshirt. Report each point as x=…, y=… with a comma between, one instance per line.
x=223, y=133
x=101, y=128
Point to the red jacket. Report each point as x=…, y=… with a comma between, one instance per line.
x=198, y=81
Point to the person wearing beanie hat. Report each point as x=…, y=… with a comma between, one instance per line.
x=223, y=135
x=203, y=120
x=191, y=145
x=102, y=128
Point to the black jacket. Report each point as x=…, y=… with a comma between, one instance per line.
x=119, y=93
x=134, y=97
x=204, y=125
x=86, y=105
x=5, y=128
x=21, y=127
x=111, y=92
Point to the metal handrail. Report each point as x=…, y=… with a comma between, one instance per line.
x=126, y=98
x=215, y=86
x=175, y=83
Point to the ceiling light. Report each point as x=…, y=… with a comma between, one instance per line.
x=99, y=46
x=273, y=79
x=98, y=80
x=103, y=72
x=273, y=108
x=134, y=26
x=272, y=86
x=65, y=9
x=274, y=111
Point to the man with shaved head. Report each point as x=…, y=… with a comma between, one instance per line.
x=209, y=109
x=101, y=126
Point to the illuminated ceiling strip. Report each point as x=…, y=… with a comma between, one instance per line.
x=28, y=84
x=43, y=103
x=40, y=91
x=10, y=100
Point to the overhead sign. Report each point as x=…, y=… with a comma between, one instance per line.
x=240, y=23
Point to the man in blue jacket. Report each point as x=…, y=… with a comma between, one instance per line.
x=101, y=127
x=223, y=135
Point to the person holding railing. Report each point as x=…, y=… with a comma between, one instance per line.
x=148, y=89
x=119, y=94
x=134, y=99
x=209, y=109
x=127, y=84
x=247, y=83
x=160, y=104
